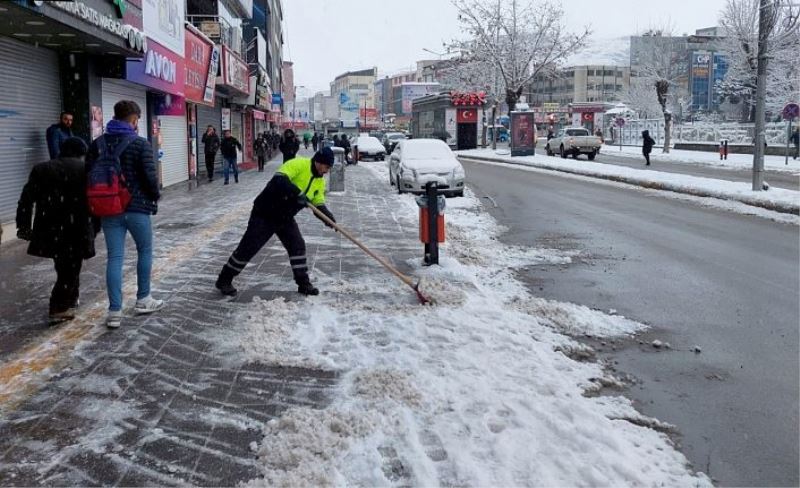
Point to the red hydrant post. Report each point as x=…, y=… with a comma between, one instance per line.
x=431, y=222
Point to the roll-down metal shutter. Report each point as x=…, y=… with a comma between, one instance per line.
x=175, y=154
x=116, y=90
x=30, y=101
x=207, y=116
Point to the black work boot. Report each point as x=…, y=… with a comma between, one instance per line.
x=225, y=286
x=307, y=289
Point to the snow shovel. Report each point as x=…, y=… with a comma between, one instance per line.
x=405, y=279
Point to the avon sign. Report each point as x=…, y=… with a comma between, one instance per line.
x=160, y=66
x=160, y=69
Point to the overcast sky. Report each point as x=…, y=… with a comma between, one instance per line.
x=325, y=38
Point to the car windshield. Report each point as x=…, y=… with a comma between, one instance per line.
x=577, y=132
x=432, y=149
x=367, y=141
x=396, y=136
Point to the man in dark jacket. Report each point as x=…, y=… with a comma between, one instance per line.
x=297, y=183
x=229, y=155
x=315, y=141
x=62, y=229
x=58, y=133
x=796, y=141
x=647, y=145
x=210, y=142
x=289, y=145
x=141, y=179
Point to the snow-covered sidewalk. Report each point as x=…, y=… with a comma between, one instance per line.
x=778, y=199
x=706, y=158
x=478, y=390
x=358, y=386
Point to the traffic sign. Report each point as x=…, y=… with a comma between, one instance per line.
x=791, y=111
x=620, y=122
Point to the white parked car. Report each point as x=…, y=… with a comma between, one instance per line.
x=415, y=162
x=370, y=147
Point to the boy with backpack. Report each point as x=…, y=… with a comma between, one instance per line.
x=122, y=190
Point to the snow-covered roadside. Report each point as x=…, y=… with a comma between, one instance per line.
x=787, y=201
x=683, y=156
x=472, y=391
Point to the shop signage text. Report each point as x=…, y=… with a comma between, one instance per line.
x=235, y=71
x=197, y=56
x=160, y=69
x=136, y=39
x=159, y=66
x=211, y=79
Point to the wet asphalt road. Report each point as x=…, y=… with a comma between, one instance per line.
x=725, y=282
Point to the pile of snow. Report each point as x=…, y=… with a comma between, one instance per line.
x=473, y=391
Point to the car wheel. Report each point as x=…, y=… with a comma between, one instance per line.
x=459, y=193
x=591, y=156
x=563, y=154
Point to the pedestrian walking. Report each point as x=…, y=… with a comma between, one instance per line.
x=133, y=155
x=289, y=145
x=260, y=148
x=62, y=230
x=211, y=144
x=297, y=183
x=315, y=141
x=228, y=148
x=345, y=143
x=796, y=141
x=306, y=139
x=647, y=145
x=58, y=133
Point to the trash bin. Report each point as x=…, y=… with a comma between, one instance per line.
x=336, y=175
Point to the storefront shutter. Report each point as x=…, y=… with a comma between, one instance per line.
x=174, y=150
x=116, y=90
x=207, y=116
x=30, y=101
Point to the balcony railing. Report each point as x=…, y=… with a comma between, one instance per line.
x=219, y=30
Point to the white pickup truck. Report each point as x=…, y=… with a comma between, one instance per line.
x=573, y=141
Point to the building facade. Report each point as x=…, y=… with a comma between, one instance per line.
x=576, y=84
x=355, y=91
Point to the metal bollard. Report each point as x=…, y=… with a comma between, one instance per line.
x=336, y=175
x=431, y=222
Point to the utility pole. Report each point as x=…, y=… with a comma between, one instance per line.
x=764, y=14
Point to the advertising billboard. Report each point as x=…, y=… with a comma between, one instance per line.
x=197, y=57
x=523, y=134
x=163, y=22
x=412, y=91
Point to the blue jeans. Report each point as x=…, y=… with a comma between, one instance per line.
x=226, y=168
x=115, y=228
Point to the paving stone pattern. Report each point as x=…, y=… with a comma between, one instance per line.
x=151, y=403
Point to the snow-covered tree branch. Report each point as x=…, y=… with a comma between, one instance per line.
x=661, y=65
x=739, y=21
x=510, y=42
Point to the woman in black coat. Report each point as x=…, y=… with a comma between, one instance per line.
x=289, y=145
x=647, y=145
x=62, y=230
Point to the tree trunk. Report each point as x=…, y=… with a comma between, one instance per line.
x=512, y=97
x=667, y=131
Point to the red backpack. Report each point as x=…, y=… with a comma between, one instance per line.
x=105, y=188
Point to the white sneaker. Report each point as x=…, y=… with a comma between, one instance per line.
x=148, y=304
x=114, y=319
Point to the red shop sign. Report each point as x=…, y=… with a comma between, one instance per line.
x=197, y=55
x=467, y=115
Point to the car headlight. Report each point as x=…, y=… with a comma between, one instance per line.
x=458, y=172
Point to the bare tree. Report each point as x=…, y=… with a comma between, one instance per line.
x=660, y=64
x=739, y=20
x=509, y=42
x=641, y=98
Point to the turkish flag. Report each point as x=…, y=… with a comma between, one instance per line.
x=467, y=115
